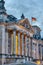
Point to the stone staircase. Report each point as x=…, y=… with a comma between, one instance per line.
x=22, y=63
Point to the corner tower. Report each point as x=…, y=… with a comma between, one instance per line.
x=2, y=8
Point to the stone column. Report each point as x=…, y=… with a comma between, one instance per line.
x=6, y=40
x=41, y=52
x=14, y=41
x=37, y=52
x=3, y=44
x=33, y=50
x=22, y=44
x=26, y=44
x=29, y=47
x=18, y=43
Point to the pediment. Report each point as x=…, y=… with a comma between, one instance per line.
x=24, y=22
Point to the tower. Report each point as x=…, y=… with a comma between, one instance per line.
x=22, y=16
x=2, y=8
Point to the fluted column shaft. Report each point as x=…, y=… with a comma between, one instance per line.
x=14, y=41
x=6, y=40
x=22, y=44
x=26, y=45
x=18, y=43
x=3, y=44
x=37, y=51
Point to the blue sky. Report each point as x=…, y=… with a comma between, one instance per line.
x=30, y=8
